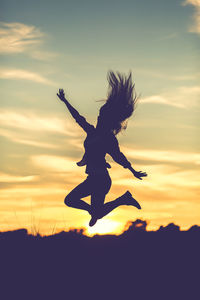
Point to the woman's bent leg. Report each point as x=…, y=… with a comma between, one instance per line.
x=101, y=184
x=125, y=199
x=73, y=199
x=97, y=207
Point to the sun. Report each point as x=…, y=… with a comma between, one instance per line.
x=104, y=227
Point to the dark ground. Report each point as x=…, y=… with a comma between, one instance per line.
x=138, y=264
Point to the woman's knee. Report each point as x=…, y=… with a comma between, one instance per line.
x=68, y=200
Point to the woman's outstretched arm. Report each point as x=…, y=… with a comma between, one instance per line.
x=121, y=159
x=78, y=118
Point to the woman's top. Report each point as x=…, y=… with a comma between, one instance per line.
x=96, y=145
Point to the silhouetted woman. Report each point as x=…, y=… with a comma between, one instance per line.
x=119, y=106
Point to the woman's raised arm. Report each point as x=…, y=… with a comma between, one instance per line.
x=75, y=114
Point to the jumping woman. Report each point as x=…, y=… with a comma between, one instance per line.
x=100, y=140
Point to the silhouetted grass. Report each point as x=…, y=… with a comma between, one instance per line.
x=138, y=264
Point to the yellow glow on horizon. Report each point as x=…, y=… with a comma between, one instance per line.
x=104, y=226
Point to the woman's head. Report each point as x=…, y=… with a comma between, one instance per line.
x=120, y=103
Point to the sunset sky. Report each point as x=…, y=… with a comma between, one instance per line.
x=47, y=45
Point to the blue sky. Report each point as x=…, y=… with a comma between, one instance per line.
x=46, y=45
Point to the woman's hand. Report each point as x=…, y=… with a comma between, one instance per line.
x=139, y=174
x=61, y=95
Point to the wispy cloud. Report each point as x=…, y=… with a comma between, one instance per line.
x=30, y=129
x=162, y=177
x=158, y=99
x=166, y=186
x=12, y=178
x=164, y=75
x=23, y=38
x=192, y=2
x=55, y=163
x=195, y=27
x=25, y=139
x=183, y=97
x=43, y=55
x=29, y=121
x=18, y=74
x=164, y=156
x=18, y=37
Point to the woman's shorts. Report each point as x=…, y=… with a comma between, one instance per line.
x=100, y=183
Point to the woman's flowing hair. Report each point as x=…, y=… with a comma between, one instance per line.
x=121, y=100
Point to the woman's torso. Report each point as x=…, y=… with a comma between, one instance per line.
x=96, y=146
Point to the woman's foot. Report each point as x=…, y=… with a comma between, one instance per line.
x=93, y=221
x=129, y=200
x=93, y=215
